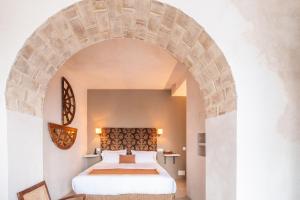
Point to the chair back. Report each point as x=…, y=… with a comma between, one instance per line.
x=36, y=192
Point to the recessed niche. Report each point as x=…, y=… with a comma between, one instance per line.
x=201, y=150
x=201, y=140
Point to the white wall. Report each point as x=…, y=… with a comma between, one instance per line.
x=195, y=123
x=221, y=157
x=14, y=31
x=25, y=152
x=60, y=166
x=3, y=137
x=260, y=41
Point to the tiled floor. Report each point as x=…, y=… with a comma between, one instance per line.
x=181, y=190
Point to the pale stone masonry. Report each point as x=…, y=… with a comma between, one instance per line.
x=91, y=21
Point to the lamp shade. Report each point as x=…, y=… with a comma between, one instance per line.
x=98, y=131
x=160, y=131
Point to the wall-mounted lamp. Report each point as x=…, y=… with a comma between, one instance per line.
x=98, y=131
x=160, y=131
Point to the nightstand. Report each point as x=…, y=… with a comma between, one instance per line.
x=91, y=156
x=171, y=155
x=91, y=159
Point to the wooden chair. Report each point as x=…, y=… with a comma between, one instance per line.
x=40, y=192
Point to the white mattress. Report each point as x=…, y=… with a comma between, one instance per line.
x=162, y=183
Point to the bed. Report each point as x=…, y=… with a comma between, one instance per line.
x=161, y=184
x=143, y=180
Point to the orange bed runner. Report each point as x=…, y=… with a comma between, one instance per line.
x=122, y=171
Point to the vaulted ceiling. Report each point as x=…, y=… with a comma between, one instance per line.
x=126, y=64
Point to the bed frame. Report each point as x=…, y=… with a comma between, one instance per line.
x=132, y=197
x=142, y=139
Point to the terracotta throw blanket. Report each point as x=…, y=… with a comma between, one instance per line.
x=123, y=171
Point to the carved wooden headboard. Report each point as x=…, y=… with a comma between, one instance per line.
x=143, y=139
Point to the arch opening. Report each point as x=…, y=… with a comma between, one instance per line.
x=89, y=22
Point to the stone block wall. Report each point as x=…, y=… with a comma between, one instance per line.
x=91, y=21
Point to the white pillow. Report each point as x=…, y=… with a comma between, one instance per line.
x=144, y=156
x=112, y=156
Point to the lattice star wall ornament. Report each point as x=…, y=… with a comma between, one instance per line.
x=62, y=136
x=68, y=102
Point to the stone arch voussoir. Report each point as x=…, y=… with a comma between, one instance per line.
x=91, y=21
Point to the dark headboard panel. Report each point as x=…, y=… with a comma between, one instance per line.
x=143, y=139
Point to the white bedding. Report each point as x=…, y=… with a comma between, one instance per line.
x=162, y=183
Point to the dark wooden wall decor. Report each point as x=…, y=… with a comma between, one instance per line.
x=143, y=139
x=62, y=136
x=68, y=102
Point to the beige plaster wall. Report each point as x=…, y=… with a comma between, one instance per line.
x=195, y=124
x=60, y=166
x=3, y=136
x=221, y=157
x=141, y=108
x=25, y=157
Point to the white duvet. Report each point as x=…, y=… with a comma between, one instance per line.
x=162, y=183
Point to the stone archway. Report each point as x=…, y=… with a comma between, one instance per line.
x=91, y=21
